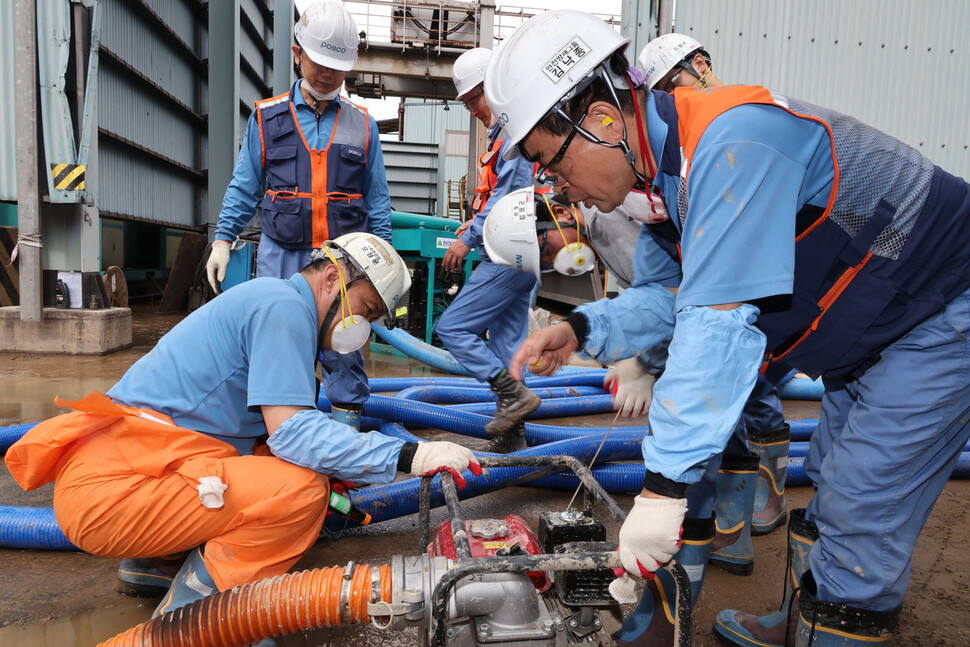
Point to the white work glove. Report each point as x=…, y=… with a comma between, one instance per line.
x=651, y=534
x=439, y=456
x=631, y=386
x=215, y=267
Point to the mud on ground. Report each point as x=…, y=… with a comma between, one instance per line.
x=70, y=599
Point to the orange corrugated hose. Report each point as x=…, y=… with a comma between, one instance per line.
x=272, y=607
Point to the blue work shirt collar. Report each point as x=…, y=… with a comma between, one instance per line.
x=303, y=287
x=297, y=98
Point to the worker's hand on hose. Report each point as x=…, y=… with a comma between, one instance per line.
x=431, y=458
x=456, y=253
x=631, y=386
x=215, y=267
x=544, y=351
x=651, y=534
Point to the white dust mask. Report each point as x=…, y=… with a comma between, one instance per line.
x=574, y=258
x=350, y=334
x=319, y=96
x=645, y=207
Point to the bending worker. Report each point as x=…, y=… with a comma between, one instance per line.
x=677, y=61
x=171, y=460
x=495, y=298
x=312, y=162
x=798, y=237
x=726, y=492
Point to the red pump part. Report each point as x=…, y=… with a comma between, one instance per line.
x=488, y=536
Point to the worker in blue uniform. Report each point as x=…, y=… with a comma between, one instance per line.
x=311, y=161
x=801, y=238
x=495, y=298
x=211, y=446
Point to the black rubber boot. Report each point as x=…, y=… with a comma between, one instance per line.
x=147, y=577
x=510, y=441
x=514, y=402
x=827, y=624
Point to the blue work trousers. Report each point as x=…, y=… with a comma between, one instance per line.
x=495, y=298
x=885, y=447
x=344, y=380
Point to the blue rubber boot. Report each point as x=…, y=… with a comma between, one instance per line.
x=663, y=616
x=776, y=629
x=732, y=549
x=695, y=548
x=827, y=624
x=771, y=448
x=349, y=414
x=191, y=583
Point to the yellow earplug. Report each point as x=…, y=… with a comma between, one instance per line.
x=607, y=120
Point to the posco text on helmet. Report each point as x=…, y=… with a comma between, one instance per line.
x=662, y=54
x=469, y=70
x=374, y=257
x=328, y=34
x=542, y=62
x=509, y=233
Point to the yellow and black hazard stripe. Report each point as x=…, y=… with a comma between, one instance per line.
x=9, y=274
x=68, y=177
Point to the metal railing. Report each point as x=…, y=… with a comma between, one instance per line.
x=427, y=24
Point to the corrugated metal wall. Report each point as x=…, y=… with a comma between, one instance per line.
x=898, y=65
x=151, y=111
x=153, y=104
x=412, y=176
x=428, y=123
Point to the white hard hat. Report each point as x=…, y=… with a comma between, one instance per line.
x=469, y=70
x=328, y=34
x=660, y=55
x=374, y=257
x=509, y=233
x=542, y=61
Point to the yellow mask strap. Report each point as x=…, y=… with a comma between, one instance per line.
x=703, y=81
x=555, y=220
x=344, y=300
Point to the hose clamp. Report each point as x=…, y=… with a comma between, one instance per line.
x=345, y=594
x=375, y=584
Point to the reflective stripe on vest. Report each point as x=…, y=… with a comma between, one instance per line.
x=487, y=176
x=311, y=195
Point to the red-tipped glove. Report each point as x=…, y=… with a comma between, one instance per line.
x=651, y=534
x=431, y=458
x=342, y=487
x=631, y=386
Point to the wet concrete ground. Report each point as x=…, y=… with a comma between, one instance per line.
x=70, y=599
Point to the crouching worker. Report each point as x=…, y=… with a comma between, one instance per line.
x=165, y=463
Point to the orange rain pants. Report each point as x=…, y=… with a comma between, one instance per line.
x=126, y=484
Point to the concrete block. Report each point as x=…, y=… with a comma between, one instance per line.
x=66, y=332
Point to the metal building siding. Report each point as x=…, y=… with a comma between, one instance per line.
x=8, y=98
x=898, y=65
x=150, y=104
x=412, y=176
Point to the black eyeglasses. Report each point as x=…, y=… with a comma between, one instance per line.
x=467, y=100
x=543, y=176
